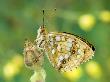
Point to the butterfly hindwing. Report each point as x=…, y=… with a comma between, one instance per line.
x=66, y=51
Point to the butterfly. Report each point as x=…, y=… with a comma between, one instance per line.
x=65, y=51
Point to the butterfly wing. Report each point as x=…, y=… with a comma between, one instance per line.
x=67, y=51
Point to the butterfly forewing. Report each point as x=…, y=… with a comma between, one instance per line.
x=66, y=51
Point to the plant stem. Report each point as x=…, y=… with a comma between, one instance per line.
x=39, y=75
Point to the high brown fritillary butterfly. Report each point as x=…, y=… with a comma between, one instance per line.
x=65, y=51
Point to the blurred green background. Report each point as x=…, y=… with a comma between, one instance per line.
x=20, y=19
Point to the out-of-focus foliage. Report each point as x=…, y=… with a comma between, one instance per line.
x=105, y=16
x=20, y=19
x=74, y=74
x=87, y=22
x=95, y=71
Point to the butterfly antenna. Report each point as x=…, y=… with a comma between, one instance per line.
x=43, y=18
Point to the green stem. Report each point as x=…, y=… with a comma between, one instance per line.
x=39, y=75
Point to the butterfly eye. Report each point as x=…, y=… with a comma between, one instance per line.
x=42, y=27
x=42, y=30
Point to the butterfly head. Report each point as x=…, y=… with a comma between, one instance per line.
x=41, y=31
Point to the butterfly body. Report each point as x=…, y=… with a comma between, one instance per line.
x=65, y=51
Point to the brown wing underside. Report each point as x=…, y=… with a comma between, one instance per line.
x=66, y=51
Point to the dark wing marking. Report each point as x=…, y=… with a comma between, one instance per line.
x=84, y=40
